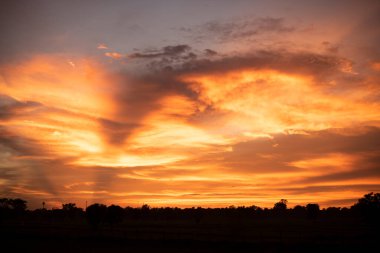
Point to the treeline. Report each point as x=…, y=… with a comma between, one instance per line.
x=367, y=208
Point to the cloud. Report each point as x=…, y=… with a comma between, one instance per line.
x=27, y=165
x=364, y=168
x=330, y=48
x=115, y=131
x=165, y=58
x=102, y=46
x=312, y=166
x=246, y=28
x=114, y=55
x=10, y=107
x=167, y=51
x=237, y=128
x=210, y=52
x=238, y=29
x=333, y=188
x=319, y=65
x=262, y=156
x=17, y=144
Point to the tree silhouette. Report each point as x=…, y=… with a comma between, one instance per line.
x=114, y=214
x=4, y=208
x=280, y=207
x=369, y=207
x=12, y=207
x=299, y=211
x=18, y=205
x=312, y=211
x=281, y=226
x=4, y=203
x=95, y=214
x=71, y=211
x=69, y=206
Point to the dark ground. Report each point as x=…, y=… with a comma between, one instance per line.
x=274, y=234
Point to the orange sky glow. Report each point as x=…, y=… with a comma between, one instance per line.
x=186, y=125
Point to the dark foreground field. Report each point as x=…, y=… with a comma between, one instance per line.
x=233, y=229
x=257, y=235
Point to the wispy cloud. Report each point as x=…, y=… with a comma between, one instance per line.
x=102, y=46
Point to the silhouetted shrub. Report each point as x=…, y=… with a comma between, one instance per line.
x=12, y=207
x=299, y=211
x=312, y=211
x=71, y=211
x=18, y=205
x=369, y=207
x=4, y=209
x=114, y=214
x=96, y=214
x=280, y=207
x=333, y=212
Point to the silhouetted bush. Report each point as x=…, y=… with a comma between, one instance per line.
x=280, y=207
x=70, y=211
x=312, y=211
x=332, y=212
x=369, y=207
x=299, y=211
x=114, y=214
x=12, y=208
x=96, y=214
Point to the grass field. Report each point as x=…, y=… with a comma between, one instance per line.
x=273, y=234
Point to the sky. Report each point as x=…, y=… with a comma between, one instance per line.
x=189, y=103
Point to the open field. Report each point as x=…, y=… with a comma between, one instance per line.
x=256, y=235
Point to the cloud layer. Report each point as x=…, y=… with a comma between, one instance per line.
x=241, y=111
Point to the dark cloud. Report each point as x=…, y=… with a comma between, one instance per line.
x=358, y=173
x=31, y=166
x=175, y=50
x=266, y=156
x=210, y=52
x=330, y=48
x=9, y=176
x=165, y=58
x=183, y=58
x=167, y=51
x=367, y=167
x=137, y=96
x=330, y=141
x=239, y=29
x=330, y=188
x=116, y=132
x=19, y=145
x=340, y=202
x=10, y=107
x=318, y=65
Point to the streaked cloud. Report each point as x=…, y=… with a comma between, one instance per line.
x=114, y=55
x=102, y=46
x=240, y=110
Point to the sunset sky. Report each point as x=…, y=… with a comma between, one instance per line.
x=189, y=103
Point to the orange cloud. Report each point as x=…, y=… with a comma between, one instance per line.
x=114, y=55
x=260, y=102
x=215, y=138
x=102, y=46
x=376, y=66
